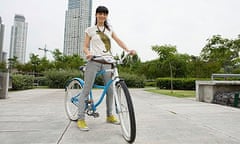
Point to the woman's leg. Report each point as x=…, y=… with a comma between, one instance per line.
x=109, y=98
x=89, y=76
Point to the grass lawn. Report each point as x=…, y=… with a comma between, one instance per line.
x=176, y=93
x=41, y=87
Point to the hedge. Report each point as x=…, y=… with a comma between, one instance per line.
x=58, y=79
x=178, y=83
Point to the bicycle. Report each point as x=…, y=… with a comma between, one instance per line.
x=123, y=101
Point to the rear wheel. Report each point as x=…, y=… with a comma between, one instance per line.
x=126, y=112
x=72, y=93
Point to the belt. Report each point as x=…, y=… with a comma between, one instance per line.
x=101, y=61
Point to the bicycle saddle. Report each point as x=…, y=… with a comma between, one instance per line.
x=82, y=68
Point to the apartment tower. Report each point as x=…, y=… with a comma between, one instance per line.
x=1, y=39
x=18, y=38
x=77, y=19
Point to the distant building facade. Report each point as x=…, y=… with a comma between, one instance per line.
x=18, y=40
x=2, y=27
x=77, y=19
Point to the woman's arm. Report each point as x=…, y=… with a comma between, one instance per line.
x=122, y=44
x=86, y=47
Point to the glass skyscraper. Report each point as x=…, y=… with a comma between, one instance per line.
x=77, y=19
x=19, y=38
x=1, y=39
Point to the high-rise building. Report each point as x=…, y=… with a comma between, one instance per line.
x=77, y=19
x=18, y=38
x=1, y=39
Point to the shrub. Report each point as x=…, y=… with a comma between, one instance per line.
x=58, y=78
x=21, y=82
x=151, y=83
x=132, y=80
x=42, y=81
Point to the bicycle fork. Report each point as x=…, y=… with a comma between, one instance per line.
x=116, y=98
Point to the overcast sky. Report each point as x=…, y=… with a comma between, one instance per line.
x=139, y=23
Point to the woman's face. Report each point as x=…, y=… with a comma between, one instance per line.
x=101, y=17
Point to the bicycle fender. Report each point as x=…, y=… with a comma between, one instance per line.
x=79, y=80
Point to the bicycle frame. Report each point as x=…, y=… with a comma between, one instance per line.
x=122, y=98
x=105, y=88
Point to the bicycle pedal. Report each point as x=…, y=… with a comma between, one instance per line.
x=95, y=115
x=88, y=101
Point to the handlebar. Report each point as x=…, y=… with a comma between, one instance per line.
x=102, y=60
x=108, y=59
x=124, y=57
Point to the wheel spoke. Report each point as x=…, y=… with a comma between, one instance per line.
x=126, y=113
x=73, y=91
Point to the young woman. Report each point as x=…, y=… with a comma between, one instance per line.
x=99, y=37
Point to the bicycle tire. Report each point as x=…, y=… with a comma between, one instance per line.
x=126, y=113
x=72, y=93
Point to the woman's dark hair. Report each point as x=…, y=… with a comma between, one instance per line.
x=102, y=9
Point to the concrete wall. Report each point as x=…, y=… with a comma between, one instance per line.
x=4, y=82
x=205, y=90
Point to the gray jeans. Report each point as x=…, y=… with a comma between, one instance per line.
x=89, y=77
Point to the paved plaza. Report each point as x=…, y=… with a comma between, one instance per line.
x=37, y=116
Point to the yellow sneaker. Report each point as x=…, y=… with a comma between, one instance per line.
x=112, y=119
x=82, y=125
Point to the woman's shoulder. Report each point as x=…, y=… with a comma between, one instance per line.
x=91, y=28
x=110, y=28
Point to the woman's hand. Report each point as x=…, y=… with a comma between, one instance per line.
x=89, y=56
x=132, y=52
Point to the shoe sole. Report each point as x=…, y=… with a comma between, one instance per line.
x=84, y=129
x=116, y=123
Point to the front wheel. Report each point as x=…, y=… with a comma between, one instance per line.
x=126, y=112
x=72, y=93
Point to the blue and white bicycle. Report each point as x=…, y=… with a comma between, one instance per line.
x=123, y=101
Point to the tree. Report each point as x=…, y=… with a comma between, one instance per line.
x=166, y=53
x=179, y=63
x=45, y=64
x=195, y=67
x=3, y=66
x=34, y=62
x=66, y=62
x=152, y=69
x=59, y=59
x=73, y=62
x=13, y=62
x=236, y=61
x=223, y=51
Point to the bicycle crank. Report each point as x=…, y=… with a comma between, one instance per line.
x=92, y=113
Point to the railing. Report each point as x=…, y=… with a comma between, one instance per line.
x=1, y=79
x=224, y=75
